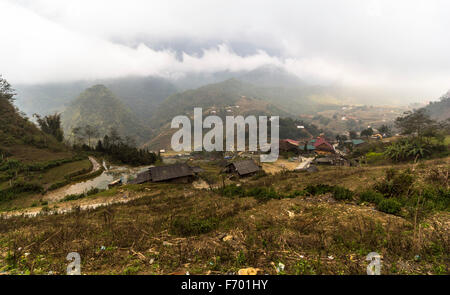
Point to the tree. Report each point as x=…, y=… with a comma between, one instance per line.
x=367, y=132
x=385, y=129
x=353, y=134
x=341, y=138
x=417, y=123
x=114, y=136
x=6, y=91
x=51, y=124
x=78, y=134
x=90, y=132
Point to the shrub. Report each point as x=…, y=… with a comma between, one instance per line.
x=233, y=190
x=262, y=193
x=19, y=187
x=436, y=198
x=319, y=189
x=339, y=193
x=371, y=196
x=373, y=157
x=342, y=193
x=390, y=206
x=395, y=184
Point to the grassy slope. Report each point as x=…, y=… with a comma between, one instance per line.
x=46, y=178
x=22, y=140
x=310, y=235
x=100, y=108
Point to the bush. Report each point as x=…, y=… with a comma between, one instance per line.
x=436, y=198
x=373, y=157
x=319, y=189
x=390, y=206
x=342, y=193
x=191, y=226
x=339, y=193
x=19, y=187
x=395, y=184
x=233, y=190
x=262, y=193
x=90, y=192
x=371, y=196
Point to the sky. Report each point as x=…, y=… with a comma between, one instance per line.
x=401, y=46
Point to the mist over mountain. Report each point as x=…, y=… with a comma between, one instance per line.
x=143, y=94
x=99, y=107
x=440, y=110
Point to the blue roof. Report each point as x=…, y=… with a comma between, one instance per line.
x=308, y=147
x=357, y=141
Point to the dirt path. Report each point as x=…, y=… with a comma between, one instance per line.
x=95, y=165
x=83, y=204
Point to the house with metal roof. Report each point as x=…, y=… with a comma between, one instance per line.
x=288, y=145
x=243, y=167
x=321, y=145
x=170, y=173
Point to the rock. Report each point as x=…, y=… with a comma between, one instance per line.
x=280, y=267
x=290, y=214
x=227, y=238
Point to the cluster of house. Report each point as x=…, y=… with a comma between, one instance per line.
x=319, y=146
x=183, y=173
x=324, y=151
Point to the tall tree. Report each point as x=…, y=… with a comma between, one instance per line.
x=114, y=136
x=90, y=133
x=5, y=90
x=367, y=132
x=417, y=123
x=384, y=129
x=78, y=135
x=51, y=124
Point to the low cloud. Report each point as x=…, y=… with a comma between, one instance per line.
x=397, y=45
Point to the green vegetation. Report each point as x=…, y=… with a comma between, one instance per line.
x=16, y=129
x=18, y=188
x=400, y=189
x=339, y=193
x=98, y=106
x=92, y=191
x=371, y=196
x=390, y=206
x=412, y=149
x=119, y=150
x=51, y=125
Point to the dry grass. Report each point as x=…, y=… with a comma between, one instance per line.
x=173, y=228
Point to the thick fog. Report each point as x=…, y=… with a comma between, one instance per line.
x=399, y=46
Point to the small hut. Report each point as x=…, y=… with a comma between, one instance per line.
x=243, y=167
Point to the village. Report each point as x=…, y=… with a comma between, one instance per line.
x=294, y=156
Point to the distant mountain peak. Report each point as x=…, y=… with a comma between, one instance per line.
x=99, y=107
